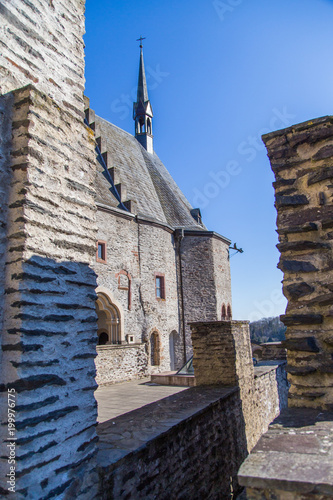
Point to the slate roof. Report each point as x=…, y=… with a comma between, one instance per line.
x=146, y=179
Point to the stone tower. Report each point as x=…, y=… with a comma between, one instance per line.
x=142, y=110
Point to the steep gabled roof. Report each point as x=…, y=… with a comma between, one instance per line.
x=145, y=178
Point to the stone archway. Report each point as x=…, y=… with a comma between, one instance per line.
x=109, y=324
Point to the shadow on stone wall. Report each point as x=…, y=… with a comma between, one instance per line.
x=47, y=375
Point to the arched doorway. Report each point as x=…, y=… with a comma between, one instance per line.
x=108, y=322
x=103, y=338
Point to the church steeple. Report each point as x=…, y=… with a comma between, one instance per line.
x=142, y=110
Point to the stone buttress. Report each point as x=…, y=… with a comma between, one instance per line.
x=47, y=238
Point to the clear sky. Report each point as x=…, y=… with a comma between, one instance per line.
x=220, y=74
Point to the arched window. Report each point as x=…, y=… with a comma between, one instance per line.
x=148, y=126
x=141, y=125
x=103, y=338
x=229, y=315
x=155, y=349
x=224, y=313
x=108, y=321
x=172, y=346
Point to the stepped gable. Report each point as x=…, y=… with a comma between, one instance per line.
x=145, y=178
x=102, y=188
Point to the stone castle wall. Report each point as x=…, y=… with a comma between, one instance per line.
x=48, y=223
x=141, y=250
x=206, y=278
x=119, y=363
x=43, y=46
x=294, y=458
x=222, y=355
x=302, y=161
x=190, y=446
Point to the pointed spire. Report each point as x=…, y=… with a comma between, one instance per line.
x=142, y=94
x=142, y=110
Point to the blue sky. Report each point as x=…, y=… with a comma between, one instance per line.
x=220, y=73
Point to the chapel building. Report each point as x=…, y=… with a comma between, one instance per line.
x=158, y=266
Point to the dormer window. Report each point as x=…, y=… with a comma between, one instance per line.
x=196, y=214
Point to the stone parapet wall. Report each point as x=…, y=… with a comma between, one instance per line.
x=121, y=363
x=302, y=161
x=270, y=396
x=222, y=355
x=188, y=445
x=49, y=329
x=293, y=460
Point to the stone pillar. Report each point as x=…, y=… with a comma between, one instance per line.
x=222, y=355
x=49, y=329
x=302, y=161
x=294, y=458
x=47, y=241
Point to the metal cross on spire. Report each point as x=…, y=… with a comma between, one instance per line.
x=140, y=40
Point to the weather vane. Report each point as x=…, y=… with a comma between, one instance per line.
x=140, y=40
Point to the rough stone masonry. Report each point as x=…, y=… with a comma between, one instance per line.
x=294, y=458
x=302, y=161
x=47, y=240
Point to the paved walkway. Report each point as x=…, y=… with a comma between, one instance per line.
x=117, y=399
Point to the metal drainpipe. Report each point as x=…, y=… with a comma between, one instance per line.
x=179, y=235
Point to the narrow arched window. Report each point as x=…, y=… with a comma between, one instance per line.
x=229, y=315
x=224, y=313
x=155, y=349
x=172, y=349
x=148, y=126
x=141, y=125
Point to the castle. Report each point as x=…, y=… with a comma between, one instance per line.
x=58, y=222
x=158, y=267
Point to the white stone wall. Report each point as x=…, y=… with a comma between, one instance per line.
x=49, y=332
x=141, y=250
x=48, y=234
x=43, y=45
x=119, y=363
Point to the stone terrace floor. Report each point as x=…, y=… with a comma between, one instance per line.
x=117, y=399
